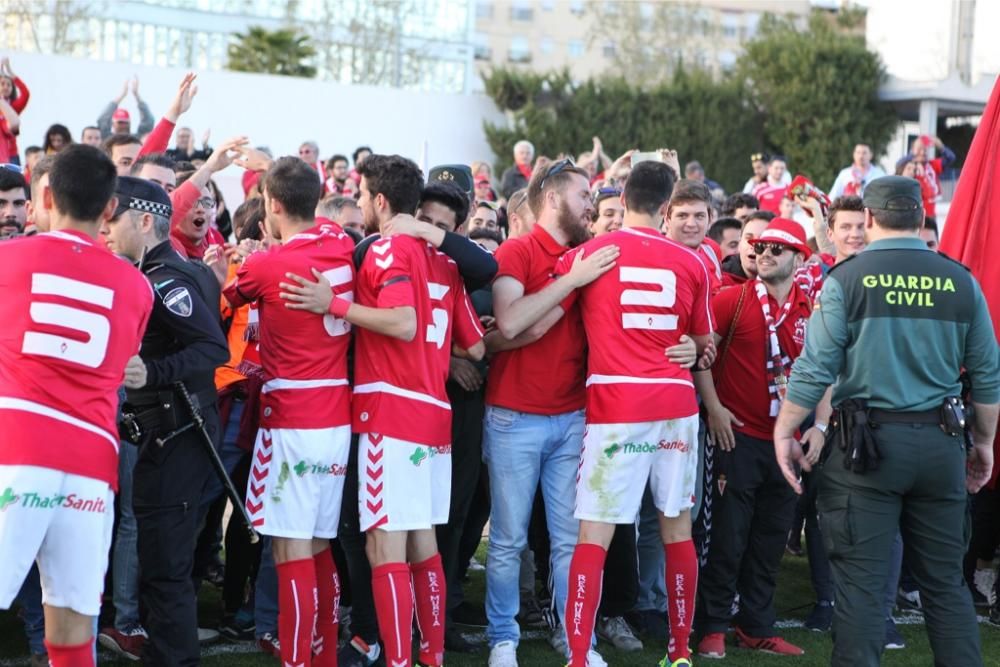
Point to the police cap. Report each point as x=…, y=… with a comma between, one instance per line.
x=141, y=195
x=459, y=174
x=893, y=193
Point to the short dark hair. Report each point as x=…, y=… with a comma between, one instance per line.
x=845, y=203
x=447, y=194
x=82, y=180
x=89, y=127
x=335, y=159
x=119, y=140
x=394, y=177
x=554, y=176
x=294, y=183
x=332, y=206
x=898, y=220
x=931, y=224
x=483, y=233
x=776, y=158
x=766, y=216
x=31, y=150
x=357, y=151
x=687, y=191
x=648, y=187
x=10, y=179
x=42, y=167
x=157, y=159
x=738, y=200
x=719, y=227
x=246, y=219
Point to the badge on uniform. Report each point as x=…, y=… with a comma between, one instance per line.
x=178, y=302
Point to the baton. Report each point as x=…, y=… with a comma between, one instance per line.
x=198, y=424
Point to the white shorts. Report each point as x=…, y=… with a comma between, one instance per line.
x=296, y=481
x=404, y=486
x=618, y=459
x=62, y=520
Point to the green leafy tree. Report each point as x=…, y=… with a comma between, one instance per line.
x=706, y=120
x=817, y=89
x=284, y=52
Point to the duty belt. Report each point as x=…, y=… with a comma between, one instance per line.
x=879, y=416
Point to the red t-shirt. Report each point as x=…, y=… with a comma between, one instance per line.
x=770, y=196
x=73, y=315
x=741, y=373
x=303, y=355
x=713, y=264
x=547, y=376
x=631, y=314
x=399, y=387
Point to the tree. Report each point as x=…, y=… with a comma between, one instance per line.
x=817, y=88
x=706, y=120
x=54, y=26
x=283, y=52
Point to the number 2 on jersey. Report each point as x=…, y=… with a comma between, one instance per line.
x=90, y=351
x=342, y=275
x=661, y=294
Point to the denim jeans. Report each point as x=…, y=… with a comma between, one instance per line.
x=229, y=452
x=652, y=559
x=32, y=614
x=521, y=449
x=125, y=559
x=265, y=610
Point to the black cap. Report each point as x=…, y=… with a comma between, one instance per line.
x=459, y=174
x=141, y=195
x=893, y=193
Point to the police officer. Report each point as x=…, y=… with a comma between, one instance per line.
x=183, y=343
x=895, y=326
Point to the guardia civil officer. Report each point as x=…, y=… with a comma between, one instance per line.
x=183, y=342
x=896, y=325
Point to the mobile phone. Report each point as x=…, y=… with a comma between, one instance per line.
x=647, y=156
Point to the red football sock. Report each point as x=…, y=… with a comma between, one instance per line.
x=327, y=610
x=76, y=655
x=394, y=611
x=682, y=582
x=296, y=611
x=586, y=576
x=429, y=597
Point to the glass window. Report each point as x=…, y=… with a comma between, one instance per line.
x=576, y=7
x=608, y=49
x=519, y=50
x=481, y=46
x=520, y=10
x=484, y=9
x=575, y=48
x=546, y=45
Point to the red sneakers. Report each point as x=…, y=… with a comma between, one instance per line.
x=127, y=644
x=713, y=645
x=775, y=645
x=268, y=643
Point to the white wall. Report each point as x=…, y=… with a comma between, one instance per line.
x=279, y=112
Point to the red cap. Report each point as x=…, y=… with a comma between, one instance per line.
x=786, y=232
x=120, y=114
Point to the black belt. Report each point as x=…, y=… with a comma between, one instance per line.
x=888, y=417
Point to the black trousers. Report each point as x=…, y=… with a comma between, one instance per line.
x=752, y=512
x=242, y=558
x=167, y=487
x=467, y=409
x=359, y=572
x=621, y=573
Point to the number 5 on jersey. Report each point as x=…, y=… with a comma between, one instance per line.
x=662, y=294
x=342, y=275
x=88, y=350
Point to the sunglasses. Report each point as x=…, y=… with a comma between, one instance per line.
x=776, y=248
x=10, y=166
x=561, y=165
x=607, y=192
x=206, y=202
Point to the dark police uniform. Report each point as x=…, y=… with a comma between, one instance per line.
x=183, y=342
x=895, y=326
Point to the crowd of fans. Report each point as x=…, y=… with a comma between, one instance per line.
x=532, y=532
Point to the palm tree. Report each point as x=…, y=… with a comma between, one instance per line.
x=283, y=52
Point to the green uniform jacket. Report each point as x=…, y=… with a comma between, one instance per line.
x=895, y=326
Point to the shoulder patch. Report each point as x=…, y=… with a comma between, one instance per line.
x=178, y=301
x=952, y=259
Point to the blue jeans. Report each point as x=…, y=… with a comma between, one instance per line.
x=229, y=452
x=521, y=449
x=652, y=559
x=265, y=609
x=125, y=559
x=30, y=600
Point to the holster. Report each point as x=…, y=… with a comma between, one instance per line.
x=854, y=434
x=156, y=412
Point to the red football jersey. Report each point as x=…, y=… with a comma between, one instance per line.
x=706, y=252
x=73, y=315
x=399, y=386
x=770, y=196
x=303, y=355
x=657, y=292
x=740, y=373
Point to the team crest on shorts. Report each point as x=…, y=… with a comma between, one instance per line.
x=178, y=302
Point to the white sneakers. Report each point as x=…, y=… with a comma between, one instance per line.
x=503, y=654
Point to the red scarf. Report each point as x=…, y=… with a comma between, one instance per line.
x=192, y=249
x=525, y=170
x=777, y=368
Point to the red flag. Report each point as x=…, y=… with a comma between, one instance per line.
x=972, y=232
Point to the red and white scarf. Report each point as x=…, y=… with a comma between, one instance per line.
x=778, y=365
